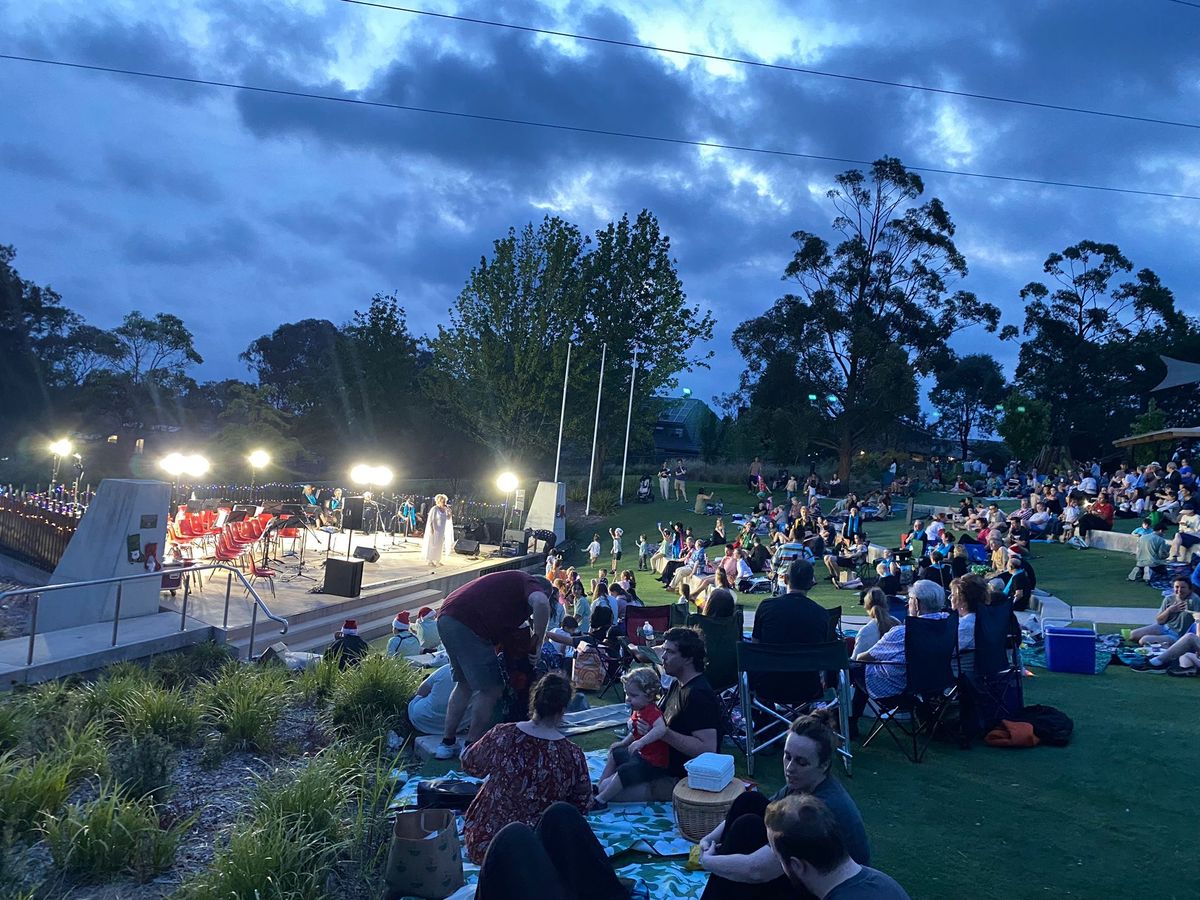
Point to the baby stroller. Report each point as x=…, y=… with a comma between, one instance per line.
x=644, y=493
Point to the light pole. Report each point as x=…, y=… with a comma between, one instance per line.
x=369, y=476
x=259, y=459
x=60, y=448
x=507, y=482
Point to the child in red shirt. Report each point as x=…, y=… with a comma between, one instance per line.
x=642, y=756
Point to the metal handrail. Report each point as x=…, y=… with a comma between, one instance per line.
x=119, y=581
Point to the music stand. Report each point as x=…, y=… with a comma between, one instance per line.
x=298, y=517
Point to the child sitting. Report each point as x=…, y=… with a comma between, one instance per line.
x=642, y=756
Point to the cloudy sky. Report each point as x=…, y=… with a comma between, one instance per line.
x=239, y=211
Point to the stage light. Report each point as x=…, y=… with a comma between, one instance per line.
x=507, y=482
x=361, y=474
x=259, y=458
x=173, y=464
x=195, y=466
x=61, y=447
x=381, y=476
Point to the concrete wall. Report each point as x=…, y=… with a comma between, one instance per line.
x=99, y=550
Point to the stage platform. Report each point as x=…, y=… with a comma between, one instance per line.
x=400, y=580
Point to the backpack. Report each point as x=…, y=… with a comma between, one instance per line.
x=1052, y=726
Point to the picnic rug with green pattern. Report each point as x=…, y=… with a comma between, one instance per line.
x=647, y=828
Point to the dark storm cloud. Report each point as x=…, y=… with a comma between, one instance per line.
x=30, y=159
x=218, y=243
x=136, y=171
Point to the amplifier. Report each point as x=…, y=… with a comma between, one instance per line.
x=466, y=547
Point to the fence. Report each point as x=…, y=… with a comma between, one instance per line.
x=33, y=531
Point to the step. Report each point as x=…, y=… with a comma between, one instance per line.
x=374, y=616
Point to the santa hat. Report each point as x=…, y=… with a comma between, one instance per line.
x=350, y=626
x=423, y=612
x=400, y=623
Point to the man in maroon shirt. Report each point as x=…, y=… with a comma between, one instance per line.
x=472, y=621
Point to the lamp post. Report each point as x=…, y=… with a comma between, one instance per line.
x=369, y=476
x=258, y=459
x=60, y=448
x=507, y=482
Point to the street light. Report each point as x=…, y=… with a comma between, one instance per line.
x=507, y=482
x=195, y=466
x=258, y=460
x=60, y=448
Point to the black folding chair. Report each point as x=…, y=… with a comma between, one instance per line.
x=755, y=658
x=931, y=685
x=722, y=635
x=991, y=676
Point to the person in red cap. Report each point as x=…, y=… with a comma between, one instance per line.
x=475, y=619
x=403, y=642
x=347, y=648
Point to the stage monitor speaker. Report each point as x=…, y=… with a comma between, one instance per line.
x=370, y=554
x=343, y=577
x=466, y=547
x=352, y=515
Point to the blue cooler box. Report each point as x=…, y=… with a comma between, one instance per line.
x=1070, y=648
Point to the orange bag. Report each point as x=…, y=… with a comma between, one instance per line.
x=1011, y=734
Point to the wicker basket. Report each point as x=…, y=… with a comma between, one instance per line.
x=699, y=812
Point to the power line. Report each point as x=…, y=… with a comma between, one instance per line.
x=759, y=64
x=1185, y=3
x=580, y=129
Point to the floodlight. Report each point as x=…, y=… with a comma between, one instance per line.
x=507, y=482
x=61, y=447
x=195, y=466
x=381, y=476
x=173, y=464
x=361, y=474
x=259, y=458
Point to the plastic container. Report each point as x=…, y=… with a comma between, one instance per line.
x=1070, y=648
x=710, y=772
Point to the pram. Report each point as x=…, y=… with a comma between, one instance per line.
x=644, y=493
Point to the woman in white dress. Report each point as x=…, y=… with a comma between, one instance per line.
x=439, y=532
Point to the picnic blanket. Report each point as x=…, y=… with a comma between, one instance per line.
x=595, y=719
x=1163, y=582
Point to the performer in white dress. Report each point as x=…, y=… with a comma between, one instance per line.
x=439, y=531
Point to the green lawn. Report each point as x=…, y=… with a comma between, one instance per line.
x=984, y=823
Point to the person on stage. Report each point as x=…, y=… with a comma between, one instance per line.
x=439, y=532
x=332, y=515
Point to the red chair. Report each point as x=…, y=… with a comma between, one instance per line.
x=659, y=618
x=257, y=572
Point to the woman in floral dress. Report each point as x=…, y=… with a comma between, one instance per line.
x=531, y=765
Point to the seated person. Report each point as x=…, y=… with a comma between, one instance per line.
x=310, y=495
x=640, y=756
x=1039, y=522
x=849, y=556
x=758, y=556
x=348, y=648
x=331, y=515
x=1016, y=583
x=720, y=604
x=403, y=642
x=692, y=711
x=703, y=496
x=791, y=618
x=1174, y=616
x=888, y=571
x=427, y=708
x=1152, y=553
x=1180, y=658
x=1185, y=539
x=807, y=840
x=736, y=852
x=879, y=622
x=885, y=674
x=528, y=765
x=745, y=574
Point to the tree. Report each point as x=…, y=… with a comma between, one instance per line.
x=966, y=393
x=154, y=348
x=384, y=361
x=1086, y=342
x=252, y=420
x=83, y=350
x=872, y=311
x=1024, y=425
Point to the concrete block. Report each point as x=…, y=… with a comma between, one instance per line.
x=123, y=511
x=1112, y=540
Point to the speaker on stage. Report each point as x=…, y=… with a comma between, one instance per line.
x=343, y=577
x=352, y=514
x=516, y=539
x=466, y=547
x=370, y=554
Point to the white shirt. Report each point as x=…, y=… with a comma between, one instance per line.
x=1088, y=485
x=594, y=548
x=934, y=531
x=744, y=570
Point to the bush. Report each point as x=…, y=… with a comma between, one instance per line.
x=312, y=797
x=141, y=767
x=111, y=835
x=82, y=749
x=29, y=791
x=373, y=696
x=167, y=713
x=50, y=709
x=14, y=722
x=604, y=502
x=244, y=705
x=183, y=668
x=105, y=699
x=274, y=859
x=316, y=682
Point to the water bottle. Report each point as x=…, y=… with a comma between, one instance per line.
x=647, y=631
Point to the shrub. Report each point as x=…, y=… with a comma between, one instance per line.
x=29, y=791
x=316, y=682
x=50, y=709
x=14, y=722
x=273, y=859
x=244, y=705
x=373, y=696
x=167, y=713
x=370, y=824
x=111, y=835
x=82, y=749
x=312, y=797
x=141, y=767
x=183, y=668
x=604, y=502
x=105, y=699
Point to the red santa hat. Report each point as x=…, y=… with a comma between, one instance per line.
x=350, y=626
x=400, y=623
x=423, y=612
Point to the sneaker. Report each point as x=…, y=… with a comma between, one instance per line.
x=1179, y=672
x=1146, y=667
x=446, y=751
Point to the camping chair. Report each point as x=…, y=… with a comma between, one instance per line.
x=990, y=675
x=930, y=648
x=722, y=635
x=659, y=618
x=678, y=615
x=775, y=718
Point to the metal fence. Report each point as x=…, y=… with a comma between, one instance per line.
x=33, y=531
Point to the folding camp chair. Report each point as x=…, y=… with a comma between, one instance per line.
x=659, y=618
x=930, y=652
x=722, y=635
x=774, y=718
x=990, y=681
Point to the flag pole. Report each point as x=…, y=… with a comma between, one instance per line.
x=587, y=510
x=628, y=423
x=562, y=416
